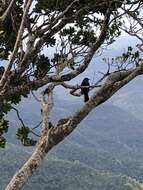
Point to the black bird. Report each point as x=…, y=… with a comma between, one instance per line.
x=85, y=90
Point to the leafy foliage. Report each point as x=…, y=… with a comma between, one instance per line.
x=8, y=31
x=42, y=65
x=4, y=124
x=114, y=31
x=2, y=142
x=91, y=6
x=23, y=136
x=129, y=58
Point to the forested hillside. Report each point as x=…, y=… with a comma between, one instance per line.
x=104, y=153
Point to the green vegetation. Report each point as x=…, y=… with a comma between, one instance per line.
x=57, y=174
x=93, y=157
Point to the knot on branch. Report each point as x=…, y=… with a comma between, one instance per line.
x=62, y=121
x=47, y=104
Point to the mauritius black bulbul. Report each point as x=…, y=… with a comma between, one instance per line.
x=85, y=88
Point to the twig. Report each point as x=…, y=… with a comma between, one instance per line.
x=35, y=96
x=38, y=125
x=22, y=122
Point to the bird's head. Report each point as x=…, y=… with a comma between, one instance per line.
x=86, y=79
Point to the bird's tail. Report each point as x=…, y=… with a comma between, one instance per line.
x=86, y=97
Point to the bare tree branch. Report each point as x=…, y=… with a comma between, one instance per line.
x=18, y=40
x=7, y=12
x=22, y=175
x=22, y=122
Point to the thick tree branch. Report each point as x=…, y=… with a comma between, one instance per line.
x=7, y=12
x=17, y=43
x=100, y=96
x=28, y=168
x=45, y=33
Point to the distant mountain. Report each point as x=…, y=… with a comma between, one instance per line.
x=57, y=174
x=105, y=152
x=132, y=102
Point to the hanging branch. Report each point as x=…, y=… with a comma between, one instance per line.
x=22, y=122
